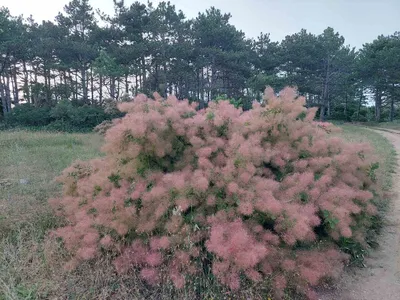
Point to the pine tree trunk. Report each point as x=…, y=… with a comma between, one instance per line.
x=179, y=92
x=392, y=99
x=40, y=100
x=224, y=85
x=126, y=84
x=143, y=74
x=391, y=108
x=136, y=84
x=101, y=90
x=76, y=85
x=166, y=87
x=211, y=94
x=322, y=113
x=84, y=86
x=36, y=74
x=156, y=81
x=325, y=94
x=91, y=85
x=16, y=90
x=359, y=106
x=34, y=96
x=118, y=89
x=112, y=88
x=49, y=89
x=8, y=94
x=3, y=96
x=213, y=79
x=198, y=85
x=202, y=89
x=329, y=109
x=26, y=83
x=209, y=84
x=378, y=105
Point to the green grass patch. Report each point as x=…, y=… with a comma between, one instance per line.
x=384, y=150
x=29, y=162
x=395, y=125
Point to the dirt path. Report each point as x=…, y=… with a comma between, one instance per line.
x=380, y=280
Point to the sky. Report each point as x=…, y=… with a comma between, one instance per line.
x=359, y=21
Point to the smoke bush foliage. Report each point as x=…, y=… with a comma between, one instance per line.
x=248, y=196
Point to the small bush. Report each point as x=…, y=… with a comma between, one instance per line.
x=250, y=196
x=29, y=115
x=76, y=118
x=366, y=114
x=64, y=116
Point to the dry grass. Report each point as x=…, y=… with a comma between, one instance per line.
x=31, y=262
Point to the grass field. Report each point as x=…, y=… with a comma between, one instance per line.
x=395, y=125
x=30, y=261
x=26, y=257
x=383, y=149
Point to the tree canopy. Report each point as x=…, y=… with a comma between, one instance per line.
x=87, y=57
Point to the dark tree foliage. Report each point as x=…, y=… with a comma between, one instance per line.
x=86, y=57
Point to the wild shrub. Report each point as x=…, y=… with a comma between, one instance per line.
x=69, y=117
x=63, y=116
x=265, y=194
x=28, y=115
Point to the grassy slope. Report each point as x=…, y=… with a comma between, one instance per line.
x=29, y=261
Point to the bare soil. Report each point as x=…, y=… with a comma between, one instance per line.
x=380, y=279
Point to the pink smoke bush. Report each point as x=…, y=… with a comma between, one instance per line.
x=326, y=126
x=180, y=191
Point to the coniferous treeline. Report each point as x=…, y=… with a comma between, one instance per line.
x=86, y=58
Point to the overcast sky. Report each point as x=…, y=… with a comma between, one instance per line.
x=359, y=21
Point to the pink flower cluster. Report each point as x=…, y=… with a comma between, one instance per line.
x=326, y=126
x=181, y=190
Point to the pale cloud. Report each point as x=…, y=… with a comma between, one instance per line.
x=359, y=21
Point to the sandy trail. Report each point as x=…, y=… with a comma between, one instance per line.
x=380, y=280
